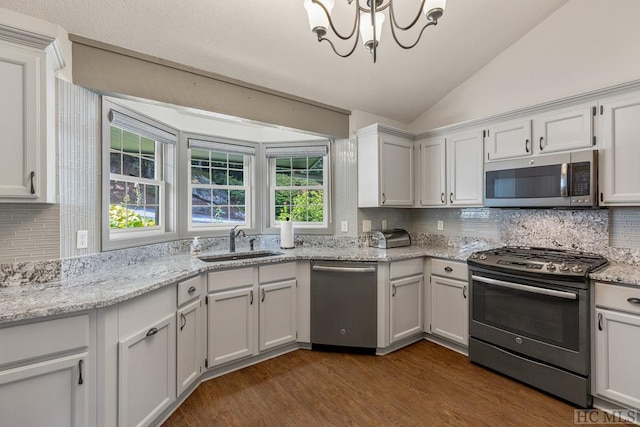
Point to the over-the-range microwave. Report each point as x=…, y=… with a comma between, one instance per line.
x=556, y=180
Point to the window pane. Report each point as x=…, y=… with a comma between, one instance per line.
x=115, y=159
x=221, y=214
x=219, y=176
x=315, y=177
x=236, y=197
x=115, y=142
x=130, y=142
x=283, y=163
x=220, y=197
x=130, y=165
x=236, y=177
x=283, y=178
x=236, y=161
x=116, y=192
x=201, y=196
x=200, y=175
x=237, y=214
x=199, y=158
x=282, y=213
x=300, y=178
x=201, y=215
x=151, y=194
x=148, y=169
x=283, y=197
x=316, y=163
x=219, y=160
x=147, y=147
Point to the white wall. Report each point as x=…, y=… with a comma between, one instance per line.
x=359, y=119
x=584, y=46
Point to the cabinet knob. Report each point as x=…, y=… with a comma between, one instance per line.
x=384, y=198
x=152, y=331
x=448, y=269
x=191, y=290
x=526, y=145
x=442, y=198
x=633, y=300
x=451, y=197
x=540, y=144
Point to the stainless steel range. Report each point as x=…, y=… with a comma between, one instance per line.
x=529, y=317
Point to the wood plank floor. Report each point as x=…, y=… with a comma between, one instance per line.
x=420, y=385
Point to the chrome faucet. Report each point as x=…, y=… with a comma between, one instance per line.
x=232, y=238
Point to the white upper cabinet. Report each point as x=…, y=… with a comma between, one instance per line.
x=565, y=129
x=620, y=150
x=27, y=115
x=451, y=170
x=511, y=139
x=385, y=167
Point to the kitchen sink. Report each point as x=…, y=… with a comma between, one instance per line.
x=233, y=256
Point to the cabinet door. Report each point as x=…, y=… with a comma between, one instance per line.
x=230, y=318
x=396, y=174
x=433, y=173
x=617, y=349
x=147, y=373
x=406, y=307
x=20, y=123
x=464, y=152
x=277, y=314
x=563, y=130
x=512, y=139
x=189, y=351
x=449, y=309
x=51, y=393
x=620, y=174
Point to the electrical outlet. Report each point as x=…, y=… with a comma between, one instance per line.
x=344, y=226
x=440, y=225
x=82, y=239
x=384, y=224
x=366, y=225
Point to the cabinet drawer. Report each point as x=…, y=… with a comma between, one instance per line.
x=453, y=269
x=410, y=267
x=144, y=310
x=189, y=289
x=276, y=272
x=618, y=297
x=40, y=339
x=229, y=279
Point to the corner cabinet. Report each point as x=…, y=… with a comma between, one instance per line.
x=620, y=150
x=278, y=320
x=451, y=170
x=449, y=301
x=28, y=62
x=406, y=285
x=190, y=339
x=385, y=167
x=617, y=344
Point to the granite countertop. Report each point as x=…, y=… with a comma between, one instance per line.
x=114, y=284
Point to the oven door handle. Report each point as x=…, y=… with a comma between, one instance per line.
x=526, y=288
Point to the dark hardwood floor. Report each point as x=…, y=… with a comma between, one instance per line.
x=421, y=385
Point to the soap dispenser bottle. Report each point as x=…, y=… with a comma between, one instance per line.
x=196, y=248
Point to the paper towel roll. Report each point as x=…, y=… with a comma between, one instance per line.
x=286, y=235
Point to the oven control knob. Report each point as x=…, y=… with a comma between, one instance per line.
x=551, y=266
x=577, y=269
x=483, y=256
x=518, y=340
x=564, y=267
x=474, y=256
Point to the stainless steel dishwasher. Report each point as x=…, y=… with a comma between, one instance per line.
x=344, y=304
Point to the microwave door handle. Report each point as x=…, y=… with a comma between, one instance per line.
x=564, y=172
x=525, y=288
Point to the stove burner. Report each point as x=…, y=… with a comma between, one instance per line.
x=539, y=261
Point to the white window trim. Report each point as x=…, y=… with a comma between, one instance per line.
x=300, y=149
x=166, y=231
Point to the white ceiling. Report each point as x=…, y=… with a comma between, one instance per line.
x=269, y=43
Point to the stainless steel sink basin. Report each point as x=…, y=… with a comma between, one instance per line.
x=237, y=256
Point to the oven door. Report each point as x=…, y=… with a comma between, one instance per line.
x=537, y=320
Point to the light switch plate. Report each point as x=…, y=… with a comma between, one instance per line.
x=344, y=226
x=440, y=225
x=366, y=225
x=384, y=224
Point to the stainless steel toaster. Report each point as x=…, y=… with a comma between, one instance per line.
x=386, y=239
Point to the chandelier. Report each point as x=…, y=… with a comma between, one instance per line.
x=369, y=20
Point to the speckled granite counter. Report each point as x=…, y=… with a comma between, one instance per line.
x=629, y=274
x=112, y=285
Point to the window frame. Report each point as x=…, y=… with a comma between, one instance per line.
x=250, y=171
x=165, y=178
x=271, y=225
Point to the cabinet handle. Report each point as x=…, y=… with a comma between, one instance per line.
x=633, y=300
x=451, y=197
x=152, y=331
x=191, y=290
x=448, y=269
x=540, y=144
x=32, y=175
x=264, y=294
x=184, y=321
x=393, y=290
x=80, y=365
x=599, y=321
x=442, y=198
x=526, y=145
x=251, y=298
x=384, y=198
x=464, y=292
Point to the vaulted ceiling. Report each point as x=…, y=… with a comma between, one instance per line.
x=269, y=43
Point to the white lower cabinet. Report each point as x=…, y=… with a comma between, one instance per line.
x=405, y=290
x=277, y=314
x=48, y=377
x=189, y=339
x=230, y=325
x=617, y=344
x=449, y=301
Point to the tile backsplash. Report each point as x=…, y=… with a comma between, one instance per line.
x=29, y=232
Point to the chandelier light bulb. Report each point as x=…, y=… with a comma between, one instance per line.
x=434, y=9
x=366, y=29
x=318, y=18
